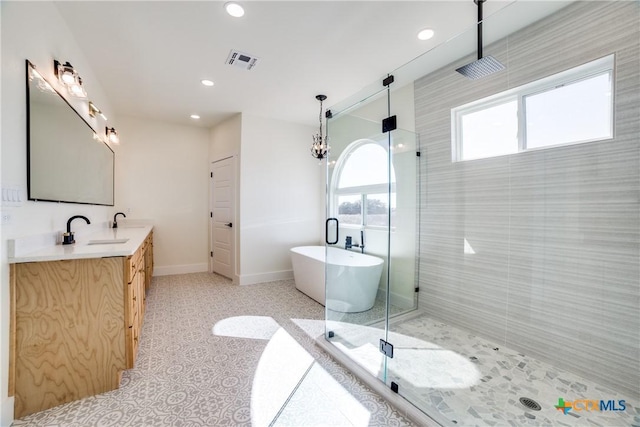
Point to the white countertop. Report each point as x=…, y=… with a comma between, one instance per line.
x=82, y=249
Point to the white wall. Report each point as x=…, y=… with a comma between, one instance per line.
x=281, y=193
x=33, y=31
x=226, y=138
x=161, y=175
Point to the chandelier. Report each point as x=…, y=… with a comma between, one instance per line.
x=320, y=148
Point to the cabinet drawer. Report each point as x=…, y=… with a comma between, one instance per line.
x=133, y=302
x=134, y=263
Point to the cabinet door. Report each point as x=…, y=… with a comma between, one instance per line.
x=132, y=320
x=148, y=261
x=141, y=292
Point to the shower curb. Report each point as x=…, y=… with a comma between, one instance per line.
x=398, y=402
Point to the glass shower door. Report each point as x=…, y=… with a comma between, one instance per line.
x=357, y=244
x=417, y=364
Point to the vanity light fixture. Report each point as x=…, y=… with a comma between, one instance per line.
x=195, y=116
x=112, y=135
x=65, y=72
x=93, y=110
x=77, y=89
x=320, y=148
x=234, y=9
x=207, y=82
x=68, y=76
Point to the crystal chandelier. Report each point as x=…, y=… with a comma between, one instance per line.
x=320, y=148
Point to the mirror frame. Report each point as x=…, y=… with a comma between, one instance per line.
x=28, y=66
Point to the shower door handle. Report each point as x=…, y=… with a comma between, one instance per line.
x=326, y=231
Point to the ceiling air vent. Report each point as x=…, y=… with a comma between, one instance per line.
x=241, y=60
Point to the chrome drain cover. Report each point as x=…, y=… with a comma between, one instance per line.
x=530, y=404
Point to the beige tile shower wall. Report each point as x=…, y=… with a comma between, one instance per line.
x=555, y=232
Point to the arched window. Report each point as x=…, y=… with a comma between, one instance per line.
x=361, y=185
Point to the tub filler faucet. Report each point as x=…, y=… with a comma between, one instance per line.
x=348, y=244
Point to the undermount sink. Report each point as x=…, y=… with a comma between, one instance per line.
x=107, y=241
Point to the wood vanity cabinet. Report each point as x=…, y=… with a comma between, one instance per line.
x=75, y=326
x=139, y=268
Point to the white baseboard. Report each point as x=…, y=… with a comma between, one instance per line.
x=252, y=279
x=180, y=269
x=6, y=412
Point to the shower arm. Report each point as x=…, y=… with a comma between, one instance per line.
x=479, y=3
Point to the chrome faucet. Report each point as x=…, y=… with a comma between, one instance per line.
x=348, y=244
x=115, y=220
x=67, y=238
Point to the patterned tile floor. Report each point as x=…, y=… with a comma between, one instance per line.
x=215, y=354
x=463, y=380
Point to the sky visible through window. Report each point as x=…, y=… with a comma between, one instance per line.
x=570, y=107
x=366, y=165
x=490, y=132
x=576, y=112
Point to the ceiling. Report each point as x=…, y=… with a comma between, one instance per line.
x=150, y=56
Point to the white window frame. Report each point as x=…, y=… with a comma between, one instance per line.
x=604, y=65
x=362, y=190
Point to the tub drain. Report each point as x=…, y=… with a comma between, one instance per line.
x=530, y=403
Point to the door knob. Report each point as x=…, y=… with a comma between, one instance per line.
x=229, y=224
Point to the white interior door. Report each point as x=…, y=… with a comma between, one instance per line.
x=222, y=214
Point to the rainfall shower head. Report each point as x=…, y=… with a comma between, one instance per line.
x=483, y=66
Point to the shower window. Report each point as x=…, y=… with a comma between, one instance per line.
x=361, y=184
x=570, y=107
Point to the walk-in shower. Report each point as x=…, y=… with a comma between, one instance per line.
x=507, y=213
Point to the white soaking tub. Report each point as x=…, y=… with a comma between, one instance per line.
x=353, y=277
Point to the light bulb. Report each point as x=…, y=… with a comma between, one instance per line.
x=68, y=78
x=234, y=9
x=426, y=34
x=112, y=135
x=78, y=91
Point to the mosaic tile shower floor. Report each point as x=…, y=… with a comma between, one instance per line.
x=215, y=354
x=463, y=380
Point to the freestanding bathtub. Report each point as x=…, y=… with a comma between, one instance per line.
x=353, y=277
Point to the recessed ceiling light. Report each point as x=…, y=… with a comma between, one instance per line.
x=206, y=82
x=195, y=116
x=426, y=34
x=234, y=9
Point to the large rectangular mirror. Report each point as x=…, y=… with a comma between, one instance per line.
x=66, y=162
